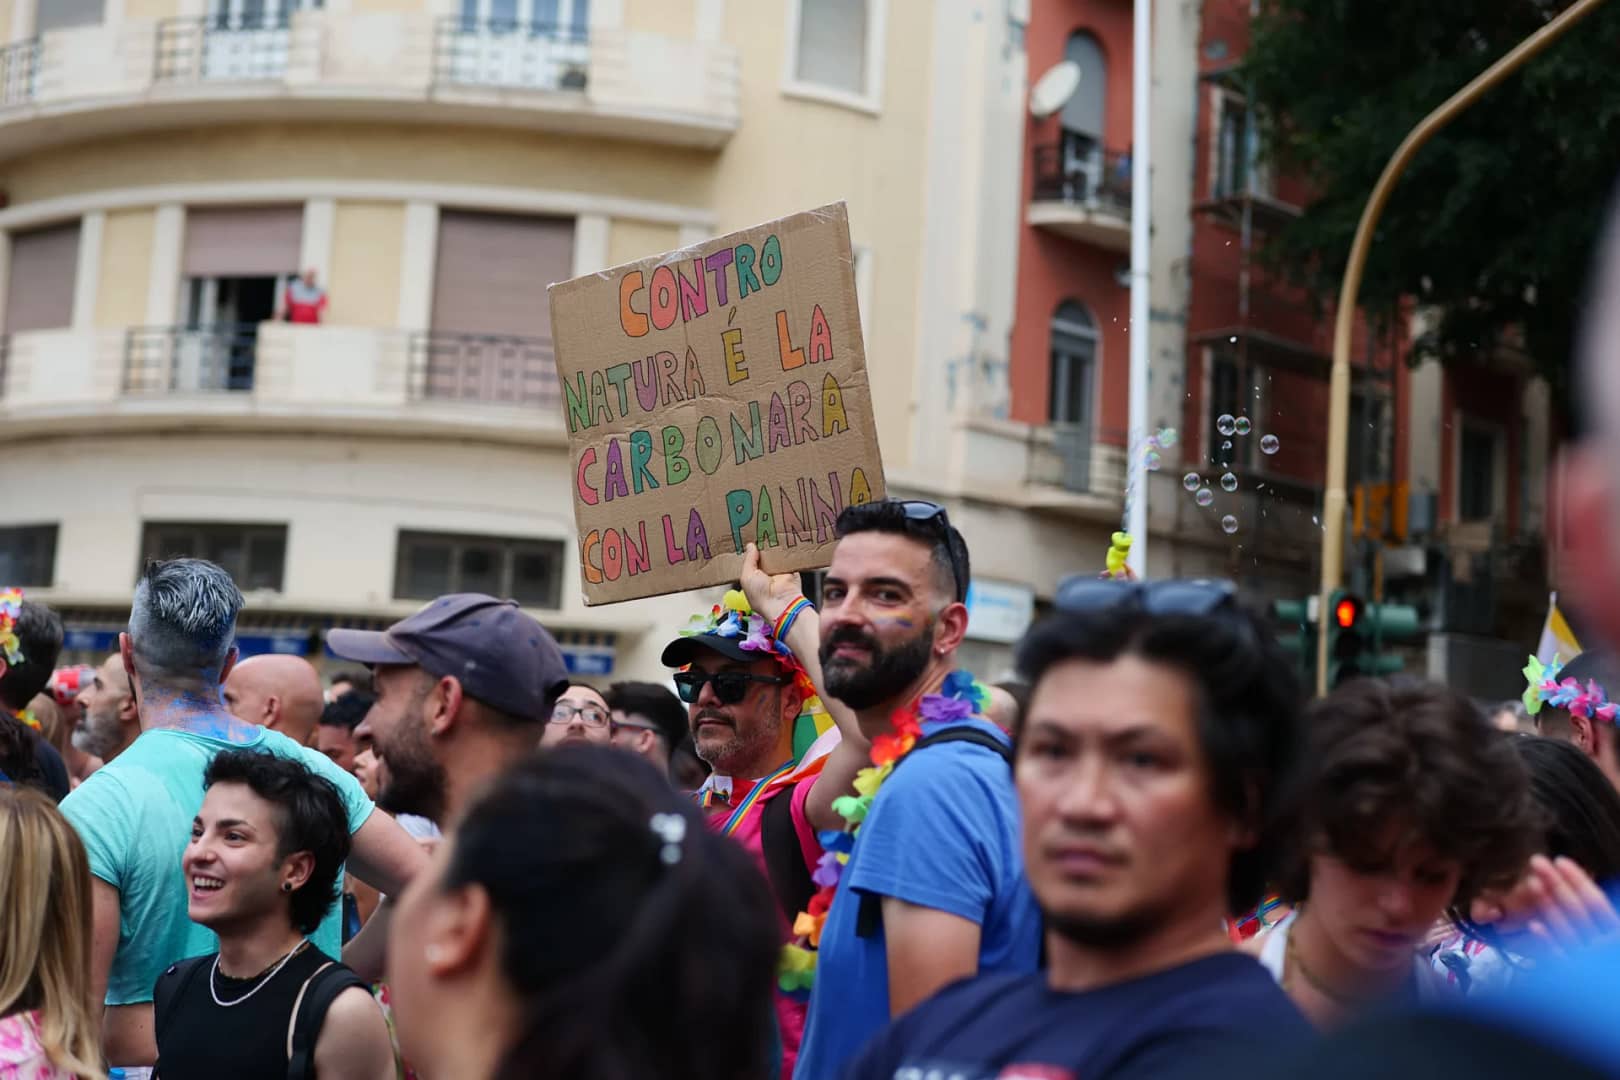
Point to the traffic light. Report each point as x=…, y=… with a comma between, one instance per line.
x=1350, y=645
x=1298, y=639
x=1391, y=622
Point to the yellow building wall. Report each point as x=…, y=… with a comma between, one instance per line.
x=126, y=267
x=363, y=286
x=385, y=5
x=150, y=9
x=791, y=154
x=672, y=18
x=373, y=152
x=5, y=20
x=631, y=240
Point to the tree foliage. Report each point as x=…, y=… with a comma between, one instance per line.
x=1494, y=221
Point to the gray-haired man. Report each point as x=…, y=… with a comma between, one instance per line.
x=135, y=814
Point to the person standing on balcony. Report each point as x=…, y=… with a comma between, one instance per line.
x=305, y=299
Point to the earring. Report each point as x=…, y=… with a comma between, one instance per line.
x=286, y=886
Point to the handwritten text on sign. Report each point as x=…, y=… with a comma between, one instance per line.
x=716, y=395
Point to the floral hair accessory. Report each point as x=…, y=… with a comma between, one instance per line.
x=1546, y=688
x=11, y=601
x=732, y=618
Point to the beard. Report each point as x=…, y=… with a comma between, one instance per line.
x=95, y=736
x=889, y=673
x=413, y=781
x=1106, y=931
x=739, y=754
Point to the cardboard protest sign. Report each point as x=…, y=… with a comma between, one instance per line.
x=714, y=396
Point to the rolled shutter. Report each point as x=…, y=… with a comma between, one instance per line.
x=493, y=270
x=243, y=241
x=44, y=266
x=62, y=14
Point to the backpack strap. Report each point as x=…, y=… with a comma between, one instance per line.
x=171, y=987
x=315, y=997
x=784, y=856
x=869, y=916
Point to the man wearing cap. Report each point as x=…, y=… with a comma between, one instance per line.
x=748, y=671
x=136, y=813
x=464, y=688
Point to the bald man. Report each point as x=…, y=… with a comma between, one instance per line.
x=282, y=693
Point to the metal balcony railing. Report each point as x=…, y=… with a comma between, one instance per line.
x=485, y=368
x=509, y=53
x=1089, y=176
x=19, y=72
x=210, y=48
x=184, y=360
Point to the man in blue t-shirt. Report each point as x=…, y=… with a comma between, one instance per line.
x=934, y=889
x=135, y=813
x=1163, y=726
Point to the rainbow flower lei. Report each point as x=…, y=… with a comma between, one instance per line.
x=1545, y=688
x=960, y=698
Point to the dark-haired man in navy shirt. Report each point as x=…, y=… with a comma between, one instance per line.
x=1162, y=726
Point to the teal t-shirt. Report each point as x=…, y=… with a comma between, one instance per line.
x=134, y=815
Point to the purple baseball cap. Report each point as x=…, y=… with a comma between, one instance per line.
x=501, y=656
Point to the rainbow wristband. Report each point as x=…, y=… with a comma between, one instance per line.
x=785, y=624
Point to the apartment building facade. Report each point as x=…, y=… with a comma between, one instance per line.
x=168, y=166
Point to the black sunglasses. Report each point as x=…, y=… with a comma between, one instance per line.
x=729, y=686
x=1083, y=594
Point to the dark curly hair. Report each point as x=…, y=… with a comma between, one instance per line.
x=310, y=816
x=1422, y=756
x=1248, y=709
x=617, y=950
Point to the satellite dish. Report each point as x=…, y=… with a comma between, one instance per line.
x=1054, y=89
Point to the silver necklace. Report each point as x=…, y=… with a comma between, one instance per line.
x=214, y=974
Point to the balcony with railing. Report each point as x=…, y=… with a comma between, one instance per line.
x=275, y=375
x=1082, y=192
x=395, y=67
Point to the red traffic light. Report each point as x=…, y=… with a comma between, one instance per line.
x=1346, y=612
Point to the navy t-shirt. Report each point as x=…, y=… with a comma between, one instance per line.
x=1018, y=1026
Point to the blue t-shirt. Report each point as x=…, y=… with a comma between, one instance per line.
x=942, y=833
x=1017, y=1025
x=134, y=815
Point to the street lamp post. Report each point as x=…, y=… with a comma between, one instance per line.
x=1344, y=319
x=1136, y=520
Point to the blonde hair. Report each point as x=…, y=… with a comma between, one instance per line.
x=45, y=928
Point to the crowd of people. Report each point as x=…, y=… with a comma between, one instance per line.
x=829, y=851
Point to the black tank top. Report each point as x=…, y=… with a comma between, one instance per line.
x=198, y=1039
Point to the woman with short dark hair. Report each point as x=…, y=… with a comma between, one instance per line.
x=1412, y=806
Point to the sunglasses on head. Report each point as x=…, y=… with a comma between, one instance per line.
x=1082, y=594
x=729, y=687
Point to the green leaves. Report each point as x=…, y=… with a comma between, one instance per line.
x=1498, y=214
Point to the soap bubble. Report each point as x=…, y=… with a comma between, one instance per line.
x=1204, y=496
x=1241, y=425
x=1167, y=437
x=1229, y=524
x=1192, y=481
x=1225, y=424
x=1270, y=444
x=1229, y=482
x=1152, y=461
x=1227, y=445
